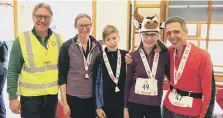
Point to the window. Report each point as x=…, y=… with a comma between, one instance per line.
x=215, y=48
x=216, y=31
x=203, y=44
x=203, y=30
x=192, y=29
x=193, y=41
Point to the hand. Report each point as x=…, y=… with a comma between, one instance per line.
x=128, y=58
x=66, y=111
x=100, y=113
x=15, y=106
x=158, y=49
x=126, y=113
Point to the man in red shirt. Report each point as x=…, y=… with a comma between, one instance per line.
x=192, y=86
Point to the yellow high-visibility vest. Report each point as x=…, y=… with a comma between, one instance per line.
x=39, y=74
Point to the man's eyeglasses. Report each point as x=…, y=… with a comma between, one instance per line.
x=175, y=32
x=40, y=17
x=151, y=35
x=82, y=26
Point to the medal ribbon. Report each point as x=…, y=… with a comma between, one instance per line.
x=146, y=65
x=179, y=71
x=108, y=66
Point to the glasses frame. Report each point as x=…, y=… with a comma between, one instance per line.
x=40, y=17
x=81, y=26
x=152, y=37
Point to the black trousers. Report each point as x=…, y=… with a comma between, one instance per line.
x=143, y=111
x=2, y=104
x=114, y=111
x=81, y=108
x=169, y=114
x=39, y=106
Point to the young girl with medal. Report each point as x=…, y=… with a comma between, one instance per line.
x=110, y=77
x=145, y=75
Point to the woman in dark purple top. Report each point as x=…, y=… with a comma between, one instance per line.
x=76, y=67
x=145, y=75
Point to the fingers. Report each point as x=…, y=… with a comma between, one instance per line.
x=67, y=115
x=66, y=111
x=104, y=115
x=17, y=111
x=100, y=116
x=128, y=58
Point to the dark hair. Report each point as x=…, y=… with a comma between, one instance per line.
x=176, y=19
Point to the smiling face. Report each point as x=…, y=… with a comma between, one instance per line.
x=176, y=34
x=83, y=27
x=149, y=39
x=111, y=41
x=42, y=19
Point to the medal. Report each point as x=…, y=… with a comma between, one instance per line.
x=86, y=75
x=117, y=89
x=118, y=68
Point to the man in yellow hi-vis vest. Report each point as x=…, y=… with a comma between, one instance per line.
x=33, y=67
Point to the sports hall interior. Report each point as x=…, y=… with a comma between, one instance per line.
x=204, y=22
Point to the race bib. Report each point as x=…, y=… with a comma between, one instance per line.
x=146, y=86
x=180, y=101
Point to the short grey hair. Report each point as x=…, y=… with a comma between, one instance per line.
x=176, y=19
x=79, y=16
x=42, y=5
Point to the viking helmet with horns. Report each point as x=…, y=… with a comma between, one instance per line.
x=148, y=23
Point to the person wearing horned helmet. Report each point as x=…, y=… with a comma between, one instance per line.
x=145, y=74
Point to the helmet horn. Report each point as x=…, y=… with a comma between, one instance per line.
x=137, y=16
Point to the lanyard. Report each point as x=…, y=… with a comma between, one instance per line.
x=108, y=66
x=179, y=71
x=146, y=65
x=86, y=60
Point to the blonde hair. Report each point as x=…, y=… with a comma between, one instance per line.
x=109, y=29
x=42, y=5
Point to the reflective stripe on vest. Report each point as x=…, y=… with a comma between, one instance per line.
x=32, y=68
x=38, y=86
x=39, y=69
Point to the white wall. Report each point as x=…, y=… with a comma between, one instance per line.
x=6, y=22
x=112, y=13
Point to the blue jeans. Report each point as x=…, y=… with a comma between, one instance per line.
x=2, y=104
x=39, y=106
